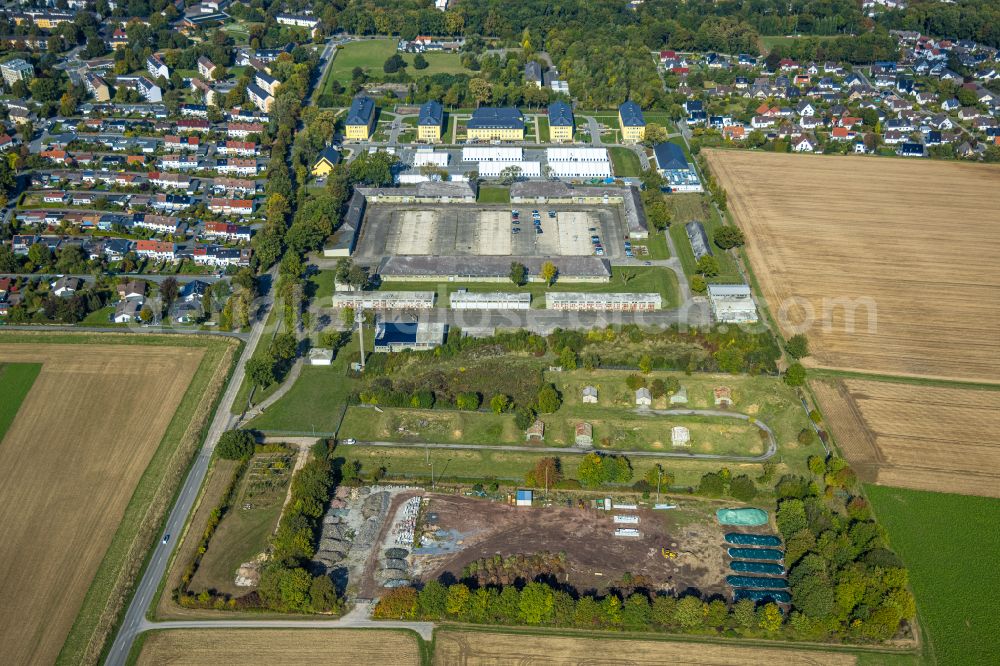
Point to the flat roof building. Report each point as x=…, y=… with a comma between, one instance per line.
x=619, y=302
x=492, y=154
x=578, y=162
x=417, y=336
x=732, y=303
x=17, y=70
x=384, y=300
x=496, y=169
x=672, y=164
x=495, y=300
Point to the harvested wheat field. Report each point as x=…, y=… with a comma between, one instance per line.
x=911, y=243
x=489, y=649
x=916, y=436
x=272, y=647
x=68, y=466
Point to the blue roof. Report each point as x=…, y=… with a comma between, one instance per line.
x=631, y=114
x=560, y=115
x=431, y=114
x=330, y=154
x=524, y=494
x=362, y=110
x=670, y=156
x=489, y=117
x=396, y=333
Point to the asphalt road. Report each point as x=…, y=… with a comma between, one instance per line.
x=134, y=622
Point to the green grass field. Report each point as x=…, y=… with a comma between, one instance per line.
x=950, y=544
x=371, y=54
x=244, y=530
x=656, y=244
x=15, y=382
x=685, y=208
x=493, y=195
x=625, y=163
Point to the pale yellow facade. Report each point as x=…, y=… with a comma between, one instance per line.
x=358, y=132
x=497, y=133
x=631, y=134
x=429, y=133
x=560, y=134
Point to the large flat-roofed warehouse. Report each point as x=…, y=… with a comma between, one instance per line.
x=496, y=169
x=732, y=303
x=384, y=300
x=427, y=156
x=621, y=302
x=491, y=269
x=395, y=336
x=578, y=162
x=493, y=300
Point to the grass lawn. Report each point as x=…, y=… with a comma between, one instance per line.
x=327, y=387
x=640, y=279
x=948, y=542
x=319, y=287
x=685, y=208
x=493, y=195
x=625, y=162
x=262, y=348
x=100, y=317
x=543, y=129
x=656, y=244
x=371, y=54
x=15, y=382
x=244, y=531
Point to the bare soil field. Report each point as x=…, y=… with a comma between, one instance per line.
x=68, y=467
x=487, y=649
x=595, y=558
x=270, y=647
x=908, y=245
x=913, y=436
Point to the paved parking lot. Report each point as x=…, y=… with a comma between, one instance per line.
x=487, y=230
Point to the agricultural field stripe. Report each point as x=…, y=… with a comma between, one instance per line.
x=16, y=380
x=949, y=544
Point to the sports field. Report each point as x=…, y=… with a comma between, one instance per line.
x=916, y=436
x=948, y=542
x=888, y=265
x=270, y=647
x=487, y=649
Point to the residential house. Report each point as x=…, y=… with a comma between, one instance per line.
x=154, y=249
x=65, y=286
x=533, y=73
x=328, y=158
x=206, y=68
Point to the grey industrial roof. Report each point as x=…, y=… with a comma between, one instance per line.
x=698, y=239
x=489, y=117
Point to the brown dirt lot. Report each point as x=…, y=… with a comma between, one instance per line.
x=271, y=647
x=914, y=436
x=487, y=649
x=918, y=238
x=596, y=559
x=68, y=466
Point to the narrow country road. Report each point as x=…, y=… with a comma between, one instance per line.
x=133, y=622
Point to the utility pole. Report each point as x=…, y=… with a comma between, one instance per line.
x=359, y=319
x=659, y=472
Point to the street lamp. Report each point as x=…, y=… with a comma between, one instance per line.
x=359, y=319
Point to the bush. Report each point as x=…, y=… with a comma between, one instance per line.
x=467, y=401
x=698, y=284
x=795, y=375
x=806, y=436
x=635, y=382
x=235, y=445
x=712, y=485
x=728, y=237
x=549, y=399
x=743, y=488
x=797, y=346
x=524, y=417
